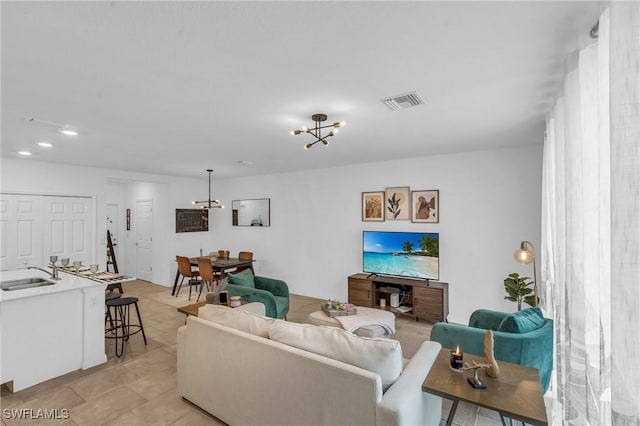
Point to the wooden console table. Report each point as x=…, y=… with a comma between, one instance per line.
x=516, y=394
x=425, y=301
x=192, y=309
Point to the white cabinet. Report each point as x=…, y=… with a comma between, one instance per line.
x=51, y=330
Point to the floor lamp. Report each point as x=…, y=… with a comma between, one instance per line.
x=525, y=255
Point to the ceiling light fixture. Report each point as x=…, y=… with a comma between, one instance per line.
x=44, y=144
x=63, y=128
x=68, y=132
x=316, y=131
x=25, y=153
x=210, y=204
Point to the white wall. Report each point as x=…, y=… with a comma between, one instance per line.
x=489, y=202
x=111, y=186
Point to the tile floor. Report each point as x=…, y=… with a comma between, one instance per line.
x=140, y=387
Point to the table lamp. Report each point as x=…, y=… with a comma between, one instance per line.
x=527, y=254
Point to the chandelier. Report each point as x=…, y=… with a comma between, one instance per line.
x=316, y=131
x=209, y=203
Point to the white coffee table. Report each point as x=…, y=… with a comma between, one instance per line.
x=367, y=330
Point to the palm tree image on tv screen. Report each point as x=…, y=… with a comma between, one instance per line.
x=405, y=254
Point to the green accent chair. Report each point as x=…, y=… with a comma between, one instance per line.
x=273, y=293
x=524, y=338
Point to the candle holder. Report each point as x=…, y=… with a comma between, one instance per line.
x=455, y=359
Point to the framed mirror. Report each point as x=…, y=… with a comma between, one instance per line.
x=256, y=212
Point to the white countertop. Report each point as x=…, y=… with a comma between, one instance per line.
x=67, y=282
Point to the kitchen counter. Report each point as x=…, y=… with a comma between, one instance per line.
x=49, y=331
x=67, y=282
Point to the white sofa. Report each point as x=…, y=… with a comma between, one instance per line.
x=247, y=378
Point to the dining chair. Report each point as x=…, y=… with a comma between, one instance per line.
x=207, y=274
x=244, y=255
x=184, y=267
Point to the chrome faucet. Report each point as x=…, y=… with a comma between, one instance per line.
x=53, y=273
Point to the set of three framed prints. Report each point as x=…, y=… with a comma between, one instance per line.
x=399, y=203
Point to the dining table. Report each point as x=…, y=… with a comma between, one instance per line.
x=219, y=265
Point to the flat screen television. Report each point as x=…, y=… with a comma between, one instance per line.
x=404, y=254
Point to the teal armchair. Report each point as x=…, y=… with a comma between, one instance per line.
x=524, y=338
x=273, y=293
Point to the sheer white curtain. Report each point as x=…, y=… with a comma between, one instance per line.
x=591, y=228
x=625, y=213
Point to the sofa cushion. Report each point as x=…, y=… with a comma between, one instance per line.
x=244, y=278
x=238, y=319
x=381, y=356
x=527, y=320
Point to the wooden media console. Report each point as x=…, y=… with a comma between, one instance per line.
x=416, y=298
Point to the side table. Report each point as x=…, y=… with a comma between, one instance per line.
x=192, y=309
x=516, y=394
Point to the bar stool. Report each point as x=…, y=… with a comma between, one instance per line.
x=122, y=329
x=109, y=295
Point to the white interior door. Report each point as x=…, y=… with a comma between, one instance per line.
x=34, y=227
x=21, y=231
x=68, y=226
x=143, y=242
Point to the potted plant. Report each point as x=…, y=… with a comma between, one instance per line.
x=519, y=289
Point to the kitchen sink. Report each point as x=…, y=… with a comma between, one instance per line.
x=24, y=283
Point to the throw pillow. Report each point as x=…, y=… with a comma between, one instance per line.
x=244, y=278
x=526, y=320
x=236, y=318
x=381, y=356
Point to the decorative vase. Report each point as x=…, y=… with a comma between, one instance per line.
x=213, y=298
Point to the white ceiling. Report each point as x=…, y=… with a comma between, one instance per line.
x=178, y=87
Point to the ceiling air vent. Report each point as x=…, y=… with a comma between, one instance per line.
x=404, y=101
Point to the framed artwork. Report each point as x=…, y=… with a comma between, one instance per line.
x=425, y=206
x=397, y=203
x=192, y=220
x=373, y=206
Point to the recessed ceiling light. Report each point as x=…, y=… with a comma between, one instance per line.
x=245, y=162
x=44, y=144
x=63, y=128
x=25, y=153
x=69, y=132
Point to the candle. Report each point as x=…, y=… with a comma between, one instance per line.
x=456, y=359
